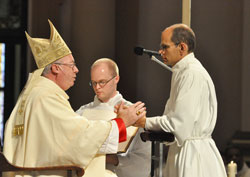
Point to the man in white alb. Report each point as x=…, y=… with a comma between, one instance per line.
x=104, y=80
x=191, y=110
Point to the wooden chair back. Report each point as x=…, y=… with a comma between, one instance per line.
x=6, y=166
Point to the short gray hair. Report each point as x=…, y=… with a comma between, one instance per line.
x=47, y=68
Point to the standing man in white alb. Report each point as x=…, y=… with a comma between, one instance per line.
x=104, y=79
x=191, y=110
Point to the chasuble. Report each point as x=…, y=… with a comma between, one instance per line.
x=53, y=134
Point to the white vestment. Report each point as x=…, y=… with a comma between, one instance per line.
x=190, y=114
x=136, y=161
x=53, y=133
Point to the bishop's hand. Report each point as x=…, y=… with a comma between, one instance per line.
x=130, y=114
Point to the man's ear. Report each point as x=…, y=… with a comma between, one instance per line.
x=117, y=79
x=183, y=48
x=55, y=68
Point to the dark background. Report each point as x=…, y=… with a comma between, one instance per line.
x=95, y=28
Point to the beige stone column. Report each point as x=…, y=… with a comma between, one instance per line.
x=186, y=12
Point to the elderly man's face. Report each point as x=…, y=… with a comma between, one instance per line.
x=169, y=51
x=68, y=71
x=104, y=82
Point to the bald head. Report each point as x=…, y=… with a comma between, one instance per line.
x=182, y=33
x=112, y=66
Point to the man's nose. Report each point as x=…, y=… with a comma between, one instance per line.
x=97, y=86
x=161, y=52
x=76, y=70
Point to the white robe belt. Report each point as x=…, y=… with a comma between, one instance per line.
x=198, y=138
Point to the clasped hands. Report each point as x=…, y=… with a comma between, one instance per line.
x=132, y=115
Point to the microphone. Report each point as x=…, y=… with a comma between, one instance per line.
x=151, y=53
x=140, y=51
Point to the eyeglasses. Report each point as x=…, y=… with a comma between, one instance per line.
x=71, y=65
x=101, y=83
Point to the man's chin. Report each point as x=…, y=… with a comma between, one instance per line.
x=99, y=97
x=72, y=85
x=165, y=61
x=102, y=99
x=69, y=86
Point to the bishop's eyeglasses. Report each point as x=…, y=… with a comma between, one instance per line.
x=71, y=65
x=100, y=83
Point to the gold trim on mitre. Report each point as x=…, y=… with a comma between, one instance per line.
x=46, y=51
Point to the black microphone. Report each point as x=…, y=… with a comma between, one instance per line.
x=140, y=51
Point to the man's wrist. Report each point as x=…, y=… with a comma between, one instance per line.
x=122, y=129
x=140, y=123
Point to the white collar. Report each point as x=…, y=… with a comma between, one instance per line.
x=183, y=62
x=112, y=101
